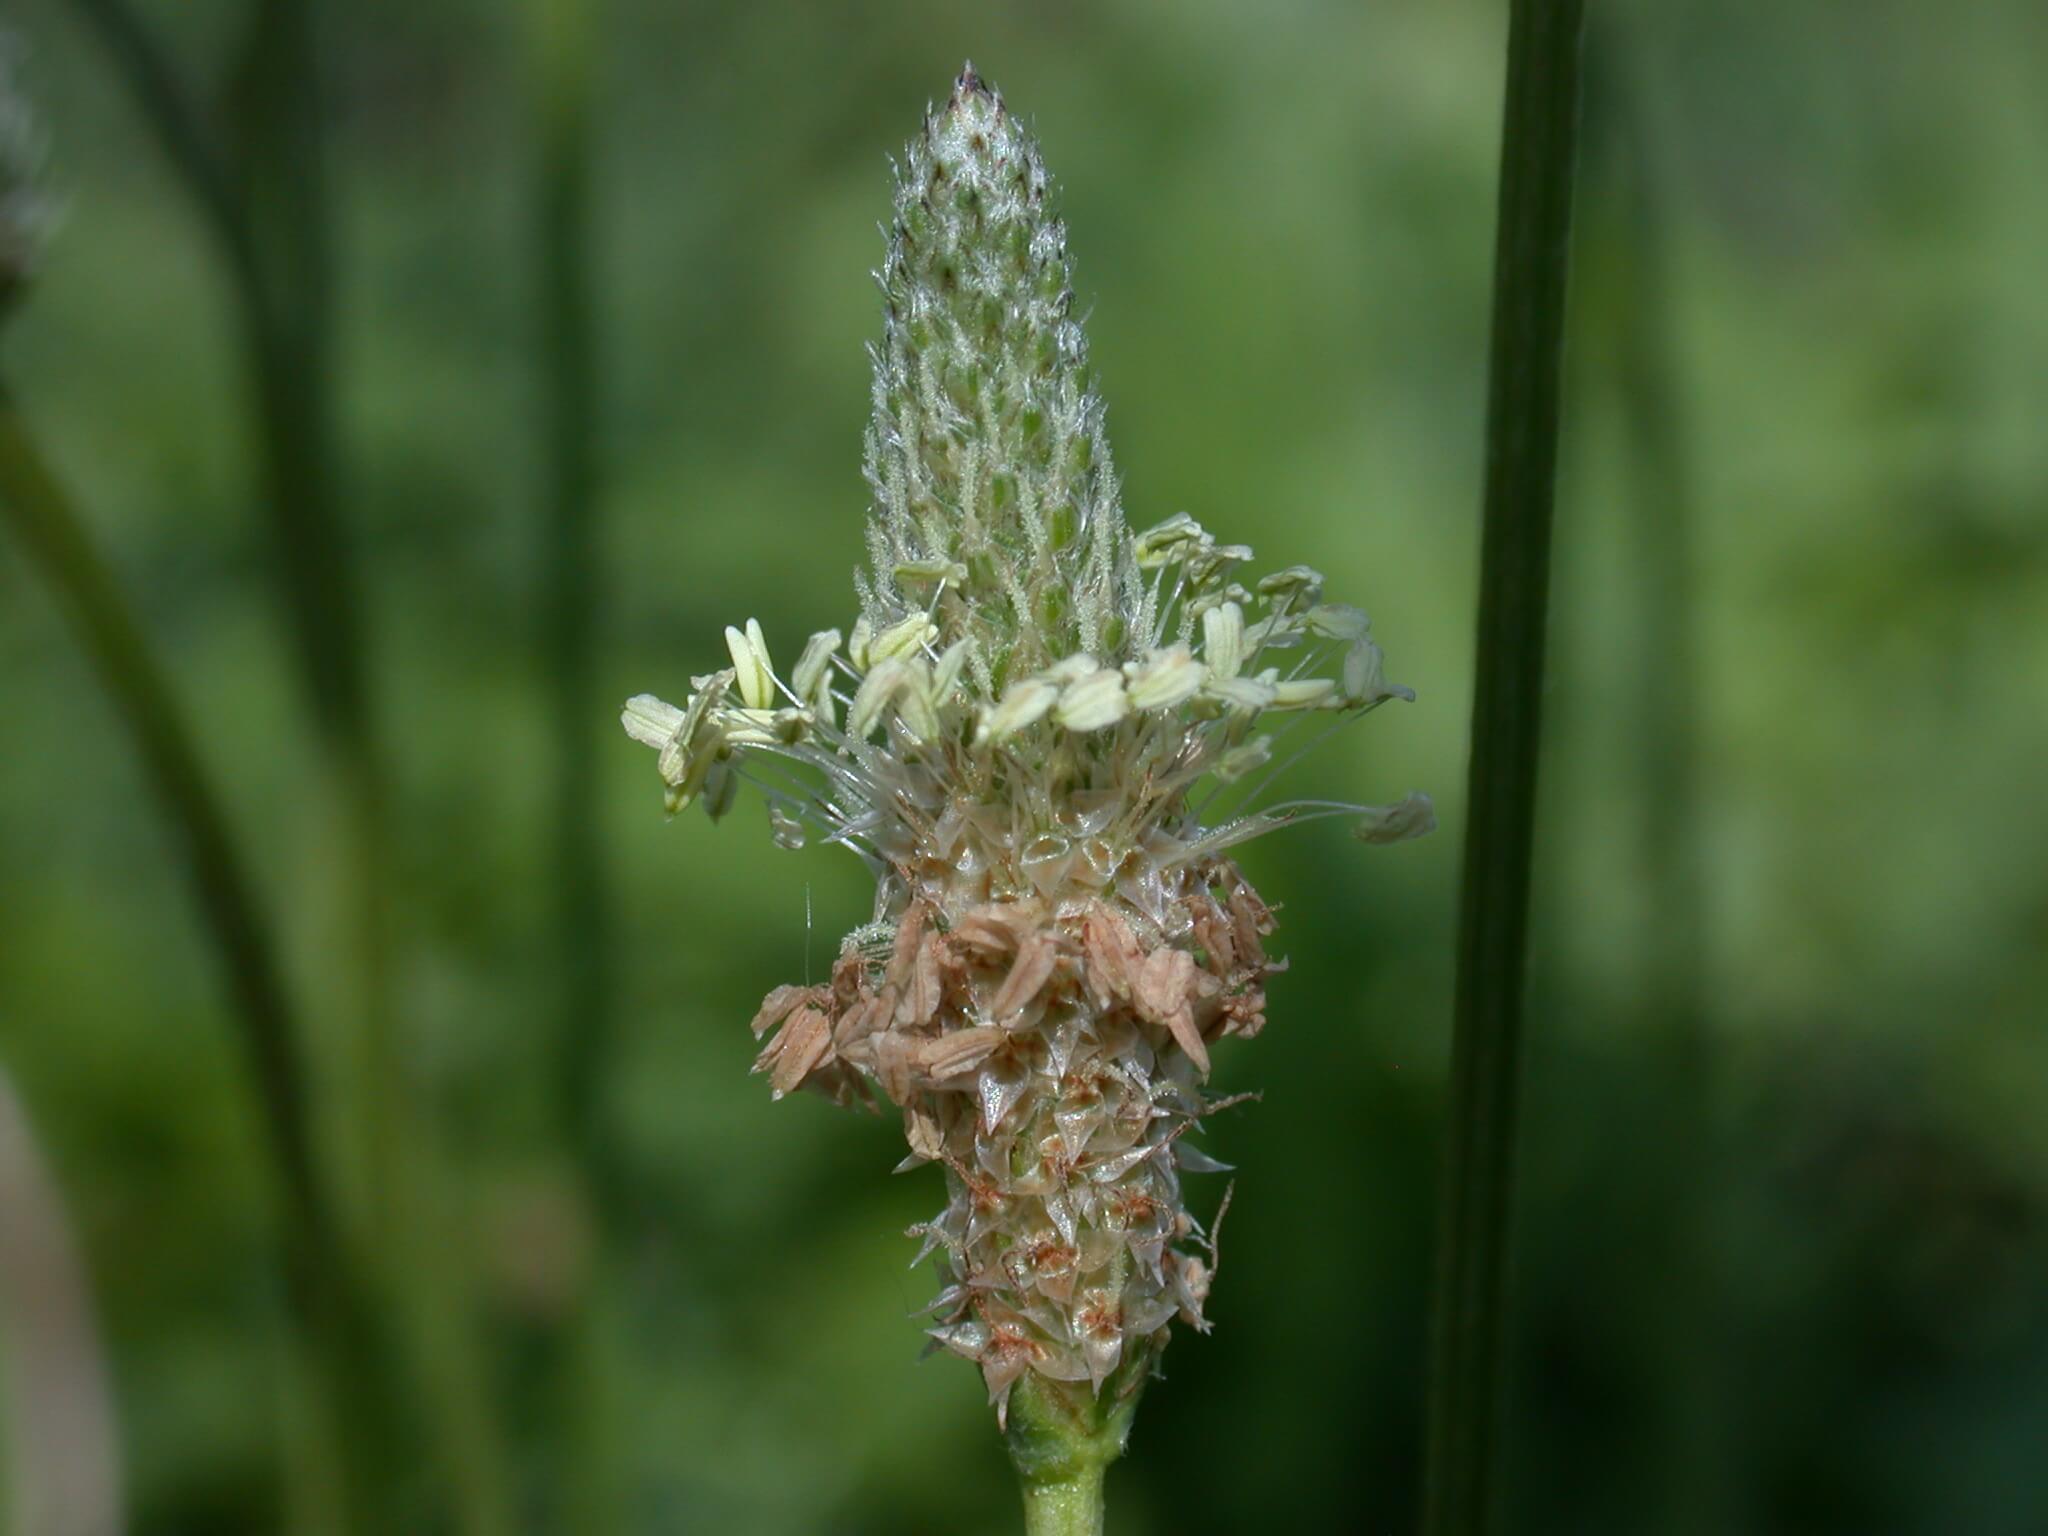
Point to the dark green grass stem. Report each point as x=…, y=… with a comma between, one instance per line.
x=582, y=1431
x=564, y=45
x=324, y=1301
x=1539, y=129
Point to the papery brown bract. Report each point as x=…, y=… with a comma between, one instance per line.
x=1047, y=1056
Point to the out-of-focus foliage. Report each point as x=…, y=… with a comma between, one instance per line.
x=1784, y=1229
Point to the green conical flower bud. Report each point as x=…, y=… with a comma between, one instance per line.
x=995, y=501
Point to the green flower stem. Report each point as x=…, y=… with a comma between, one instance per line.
x=1539, y=133
x=1068, y=1506
x=1062, y=1438
x=321, y=1290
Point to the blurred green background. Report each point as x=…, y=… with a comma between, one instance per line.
x=1782, y=1256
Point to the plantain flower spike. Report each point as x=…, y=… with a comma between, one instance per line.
x=1022, y=735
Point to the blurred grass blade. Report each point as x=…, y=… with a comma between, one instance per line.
x=267, y=213
x=582, y=1424
x=1539, y=128
x=1638, y=351
x=564, y=43
x=1637, y=348
x=326, y=1304
x=269, y=209
x=287, y=306
x=179, y=132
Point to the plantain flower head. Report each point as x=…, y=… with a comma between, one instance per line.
x=1044, y=734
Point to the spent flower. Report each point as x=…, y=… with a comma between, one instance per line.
x=1044, y=735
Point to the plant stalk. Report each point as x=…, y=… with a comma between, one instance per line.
x=322, y=1293
x=1062, y=1437
x=565, y=45
x=1539, y=130
x=1070, y=1506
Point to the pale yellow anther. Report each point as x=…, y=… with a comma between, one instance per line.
x=1414, y=816
x=914, y=704
x=693, y=741
x=1241, y=760
x=951, y=571
x=1363, y=679
x=704, y=703
x=860, y=644
x=947, y=674
x=1230, y=592
x=1298, y=583
x=750, y=727
x=766, y=727
x=815, y=664
x=1207, y=564
x=1164, y=678
x=873, y=696
x=1337, y=621
x=1274, y=632
x=1248, y=695
x=902, y=638
x=1171, y=540
x=755, y=677
x=1223, y=640
x=650, y=721
x=686, y=764
x=721, y=788
x=1093, y=702
x=1022, y=705
x=1306, y=693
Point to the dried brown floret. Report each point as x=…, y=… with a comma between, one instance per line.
x=1038, y=956
x=802, y=1044
x=777, y=1006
